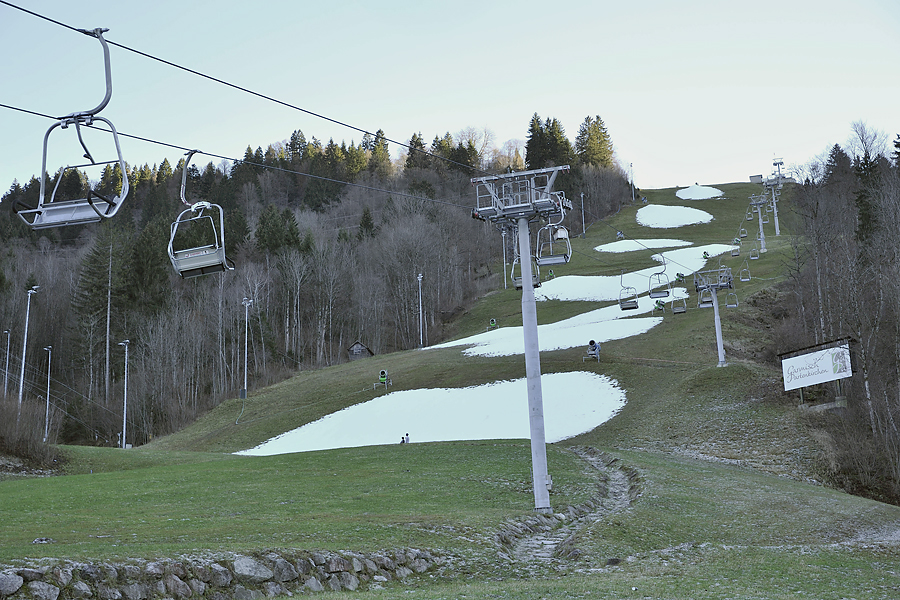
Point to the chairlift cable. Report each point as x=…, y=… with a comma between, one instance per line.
x=247, y=90
x=261, y=165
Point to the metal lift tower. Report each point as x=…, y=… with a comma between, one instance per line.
x=760, y=202
x=518, y=199
x=774, y=184
x=707, y=283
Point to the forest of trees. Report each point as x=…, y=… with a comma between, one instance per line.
x=846, y=284
x=327, y=240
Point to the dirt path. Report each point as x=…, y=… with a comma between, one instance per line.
x=549, y=538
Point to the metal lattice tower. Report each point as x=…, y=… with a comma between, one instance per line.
x=517, y=199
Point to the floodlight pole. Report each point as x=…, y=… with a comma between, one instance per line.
x=421, y=339
x=583, y=230
x=125, y=394
x=246, y=302
x=6, y=369
x=631, y=166
x=33, y=290
x=49, y=350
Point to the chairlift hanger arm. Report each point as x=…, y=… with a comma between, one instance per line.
x=184, y=170
x=75, y=116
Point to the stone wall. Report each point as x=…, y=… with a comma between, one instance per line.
x=233, y=578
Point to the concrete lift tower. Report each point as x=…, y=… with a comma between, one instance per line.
x=707, y=283
x=518, y=199
x=774, y=184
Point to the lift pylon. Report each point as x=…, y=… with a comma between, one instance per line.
x=518, y=199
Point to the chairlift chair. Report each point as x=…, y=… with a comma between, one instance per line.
x=94, y=207
x=659, y=305
x=548, y=255
x=736, y=247
x=745, y=271
x=749, y=214
x=705, y=300
x=628, y=298
x=754, y=253
x=515, y=273
x=765, y=217
x=659, y=283
x=679, y=306
x=209, y=255
x=731, y=300
x=742, y=233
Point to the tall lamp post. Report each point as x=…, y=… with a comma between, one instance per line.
x=125, y=395
x=49, y=350
x=246, y=302
x=33, y=290
x=421, y=335
x=631, y=166
x=6, y=369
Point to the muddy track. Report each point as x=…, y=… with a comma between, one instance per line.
x=549, y=538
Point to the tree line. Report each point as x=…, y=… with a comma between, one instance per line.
x=327, y=239
x=846, y=284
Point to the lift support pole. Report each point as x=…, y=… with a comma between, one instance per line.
x=519, y=198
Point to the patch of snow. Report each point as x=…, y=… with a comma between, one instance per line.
x=600, y=288
x=698, y=192
x=633, y=245
x=661, y=216
x=574, y=403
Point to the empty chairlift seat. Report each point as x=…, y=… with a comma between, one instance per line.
x=201, y=250
x=553, y=245
x=197, y=242
x=91, y=206
x=628, y=298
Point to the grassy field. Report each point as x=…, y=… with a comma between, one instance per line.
x=730, y=501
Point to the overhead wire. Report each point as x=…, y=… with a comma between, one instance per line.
x=244, y=89
x=252, y=163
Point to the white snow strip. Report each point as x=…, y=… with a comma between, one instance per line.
x=574, y=403
x=661, y=216
x=698, y=192
x=635, y=245
x=601, y=288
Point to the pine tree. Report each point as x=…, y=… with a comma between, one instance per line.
x=164, y=173
x=297, y=147
x=535, y=144
x=366, y=224
x=380, y=160
x=593, y=145
x=101, y=296
x=417, y=157
x=356, y=162
x=559, y=149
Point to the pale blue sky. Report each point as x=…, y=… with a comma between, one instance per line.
x=704, y=91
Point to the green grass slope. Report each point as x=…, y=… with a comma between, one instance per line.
x=729, y=501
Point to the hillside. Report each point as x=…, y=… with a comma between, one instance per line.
x=707, y=484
